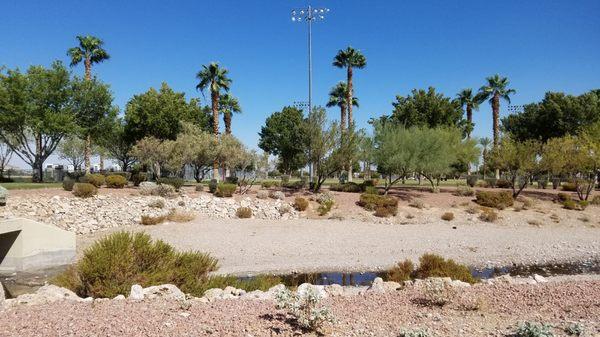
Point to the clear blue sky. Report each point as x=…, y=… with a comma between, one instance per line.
x=540, y=45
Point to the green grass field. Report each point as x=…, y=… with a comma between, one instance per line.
x=29, y=186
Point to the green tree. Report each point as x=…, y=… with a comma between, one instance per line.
x=5, y=156
x=199, y=149
x=426, y=108
x=349, y=58
x=72, y=149
x=91, y=103
x=518, y=160
x=35, y=113
x=496, y=89
x=395, y=152
x=228, y=105
x=469, y=102
x=338, y=97
x=89, y=51
x=215, y=78
x=117, y=143
x=160, y=114
x=366, y=153
x=283, y=135
x=159, y=155
x=485, y=145
x=556, y=115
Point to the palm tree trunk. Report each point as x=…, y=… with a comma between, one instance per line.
x=469, y=118
x=86, y=153
x=227, y=121
x=349, y=96
x=215, y=111
x=496, y=116
x=343, y=117
x=88, y=69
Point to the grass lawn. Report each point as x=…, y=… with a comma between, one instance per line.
x=29, y=186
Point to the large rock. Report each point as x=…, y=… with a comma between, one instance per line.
x=48, y=294
x=214, y=294
x=377, y=286
x=166, y=291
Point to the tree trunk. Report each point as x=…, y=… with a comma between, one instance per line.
x=215, y=111
x=38, y=169
x=343, y=118
x=88, y=69
x=496, y=116
x=349, y=96
x=87, y=153
x=227, y=121
x=469, y=118
x=101, y=162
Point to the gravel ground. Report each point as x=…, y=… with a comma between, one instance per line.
x=251, y=245
x=476, y=311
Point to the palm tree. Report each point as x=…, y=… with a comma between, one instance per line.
x=496, y=88
x=349, y=59
x=215, y=78
x=228, y=105
x=485, y=143
x=89, y=51
x=469, y=102
x=337, y=97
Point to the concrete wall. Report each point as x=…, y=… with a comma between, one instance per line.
x=28, y=245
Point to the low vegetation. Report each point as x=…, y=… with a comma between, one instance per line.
x=116, y=181
x=174, y=216
x=383, y=205
x=95, y=179
x=495, y=199
x=448, y=216
x=488, y=215
x=305, y=308
x=430, y=265
x=68, y=184
x=84, y=190
x=244, y=212
x=177, y=183
x=325, y=207
x=300, y=204
x=529, y=329
x=225, y=190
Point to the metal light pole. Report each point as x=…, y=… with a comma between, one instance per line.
x=309, y=15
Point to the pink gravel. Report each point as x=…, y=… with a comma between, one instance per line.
x=499, y=309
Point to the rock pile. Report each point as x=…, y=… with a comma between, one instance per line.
x=84, y=216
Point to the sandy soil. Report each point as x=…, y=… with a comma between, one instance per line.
x=476, y=311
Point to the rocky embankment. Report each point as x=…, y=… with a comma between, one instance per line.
x=84, y=216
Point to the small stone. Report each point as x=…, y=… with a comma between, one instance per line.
x=136, y=293
x=119, y=298
x=213, y=294
x=539, y=278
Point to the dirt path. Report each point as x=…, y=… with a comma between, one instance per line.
x=257, y=246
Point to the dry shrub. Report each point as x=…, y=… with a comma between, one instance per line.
x=534, y=222
x=225, y=190
x=383, y=205
x=417, y=203
x=488, y=215
x=84, y=190
x=402, y=271
x=95, y=179
x=300, y=204
x=499, y=200
x=569, y=187
x=464, y=191
x=244, y=213
x=325, y=207
x=432, y=265
x=472, y=209
x=116, y=181
x=596, y=200
x=173, y=215
x=385, y=212
x=158, y=203
x=448, y=216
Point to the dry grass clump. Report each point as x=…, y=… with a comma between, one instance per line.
x=534, y=222
x=499, y=200
x=84, y=190
x=472, y=209
x=173, y=215
x=300, y=204
x=244, y=212
x=464, y=191
x=325, y=207
x=417, y=203
x=448, y=216
x=383, y=205
x=402, y=271
x=430, y=265
x=488, y=215
x=158, y=203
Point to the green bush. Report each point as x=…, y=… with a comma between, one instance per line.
x=350, y=187
x=371, y=190
x=529, y=329
x=212, y=186
x=491, y=182
x=116, y=181
x=300, y=204
x=464, y=191
x=575, y=205
x=569, y=187
x=138, y=177
x=225, y=190
x=503, y=183
x=471, y=180
x=499, y=200
x=126, y=175
x=596, y=200
x=244, y=212
x=84, y=190
x=562, y=197
x=95, y=179
x=296, y=185
x=67, y=184
x=176, y=182
x=113, y=264
x=371, y=201
x=269, y=184
x=402, y=271
x=325, y=207
x=432, y=265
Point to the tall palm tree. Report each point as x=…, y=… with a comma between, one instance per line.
x=228, y=105
x=485, y=143
x=349, y=58
x=470, y=102
x=89, y=51
x=337, y=97
x=215, y=78
x=494, y=90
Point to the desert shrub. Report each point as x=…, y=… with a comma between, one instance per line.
x=448, y=216
x=385, y=212
x=123, y=174
x=158, y=203
x=244, y=212
x=173, y=181
x=180, y=216
x=596, y=201
x=464, y=191
x=325, y=197
x=371, y=190
x=529, y=329
x=542, y=183
x=300, y=204
x=148, y=220
x=199, y=188
x=262, y=194
x=499, y=200
x=503, y=183
x=269, y=184
x=231, y=180
x=350, y=187
x=113, y=264
x=527, y=203
x=472, y=209
x=488, y=215
x=165, y=191
x=278, y=195
x=471, y=181
x=372, y=201
x=296, y=185
x=225, y=190
x=482, y=183
x=325, y=207
x=84, y=190
x=491, y=182
x=414, y=333
x=562, y=197
x=67, y=184
x=304, y=307
x=417, y=203
x=212, y=186
x=138, y=177
x=95, y=179
x=569, y=187
x=432, y=265
x=115, y=181
x=575, y=329
x=402, y=271
x=369, y=183
x=575, y=205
